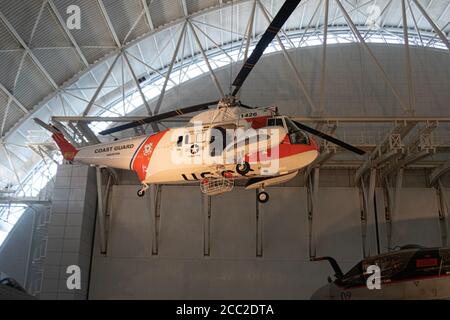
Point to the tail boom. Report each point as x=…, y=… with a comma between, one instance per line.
x=67, y=149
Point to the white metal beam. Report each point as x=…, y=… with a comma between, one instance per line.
x=169, y=71
x=416, y=26
x=149, y=67
x=109, y=23
x=436, y=29
x=133, y=26
x=213, y=42
x=375, y=60
x=66, y=30
x=308, y=26
x=439, y=171
x=324, y=60
x=11, y=164
x=100, y=86
x=101, y=210
x=249, y=32
x=87, y=101
x=136, y=82
x=147, y=14
x=184, y=6
x=5, y=116
x=28, y=50
x=13, y=98
x=205, y=58
x=412, y=100
x=297, y=74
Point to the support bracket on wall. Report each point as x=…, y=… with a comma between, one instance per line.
x=259, y=226
x=206, y=206
x=368, y=210
x=312, y=203
x=155, y=208
x=103, y=201
x=443, y=211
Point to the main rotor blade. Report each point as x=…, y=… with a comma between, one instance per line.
x=275, y=26
x=159, y=117
x=329, y=138
x=48, y=127
x=246, y=106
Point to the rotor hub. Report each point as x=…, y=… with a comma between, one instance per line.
x=227, y=102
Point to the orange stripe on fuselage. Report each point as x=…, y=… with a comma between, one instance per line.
x=144, y=154
x=285, y=149
x=258, y=122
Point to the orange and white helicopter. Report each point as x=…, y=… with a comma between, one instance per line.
x=231, y=141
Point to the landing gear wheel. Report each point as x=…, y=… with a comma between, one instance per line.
x=141, y=193
x=243, y=168
x=263, y=197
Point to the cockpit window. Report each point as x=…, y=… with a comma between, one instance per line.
x=296, y=136
x=354, y=277
x=275, y=122
x=445, y=258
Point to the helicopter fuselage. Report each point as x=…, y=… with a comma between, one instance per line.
x=185, y=155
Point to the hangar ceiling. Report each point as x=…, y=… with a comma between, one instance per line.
x=49, y=70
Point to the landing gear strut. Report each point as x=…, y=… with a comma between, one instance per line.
x=243, y=168
x=141, y=192
x=263, y=197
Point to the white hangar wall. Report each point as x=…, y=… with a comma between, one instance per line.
x=248, y=257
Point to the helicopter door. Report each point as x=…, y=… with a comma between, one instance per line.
x=253, y=141
x=219, y=138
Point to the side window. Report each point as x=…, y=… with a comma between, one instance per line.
x=275, y=122
x=280, y=122
x=216, y=133
x=212, y=150
x=186, y=139
x=179, y=141
x=445, y=260
x=355, y=276
x=296, y=136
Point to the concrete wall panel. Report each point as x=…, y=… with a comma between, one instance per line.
x=337, y=224
x=285, y=216
x=130, y=230
x=181, y=229
x=69, y=232
x=207, y=278
x=233, y=224
x=232, y=270
x=417, y=221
